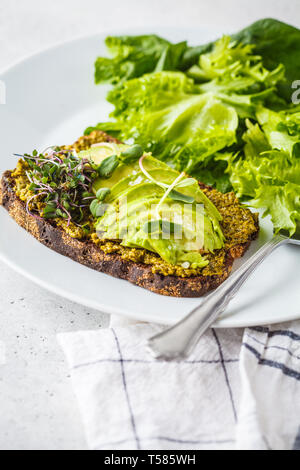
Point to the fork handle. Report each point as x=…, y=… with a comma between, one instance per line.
x=178, y=341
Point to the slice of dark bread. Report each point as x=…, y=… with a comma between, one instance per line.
x=90, y=254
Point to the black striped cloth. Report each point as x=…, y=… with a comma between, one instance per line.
x=240, y=389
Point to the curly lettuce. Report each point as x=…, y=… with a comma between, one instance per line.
x=133, y=56
x=267, y=175
x=237, y=76
x=276, y=42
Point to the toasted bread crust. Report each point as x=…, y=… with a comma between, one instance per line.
x=90, y=255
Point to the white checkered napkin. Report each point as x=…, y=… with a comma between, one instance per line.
x=269, y=415
x=240, y=389
x=130, y=401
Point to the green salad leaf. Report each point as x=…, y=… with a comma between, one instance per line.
x=268, y=175
x=234, y=66
x=237, y=76
x=214, y=173
x=133, y=56
x=276, y=42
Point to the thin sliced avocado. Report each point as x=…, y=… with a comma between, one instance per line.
x=99, y=152
x=151, y=163
x=138, y=178
x=124, y=184
x=143, y=191
x=158, y=170
x=143, y=185
x=118, y=175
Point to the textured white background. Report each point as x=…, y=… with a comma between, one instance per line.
x=37, y=407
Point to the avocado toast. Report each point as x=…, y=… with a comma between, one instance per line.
x=83, y=221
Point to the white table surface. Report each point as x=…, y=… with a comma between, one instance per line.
x=37, y=406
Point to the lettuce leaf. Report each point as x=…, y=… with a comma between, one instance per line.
x=233, y=73
x=236, y=65
x=133, y=56
x=268, y=174
x=282, y=129
x=213, y=172
x=276, y=42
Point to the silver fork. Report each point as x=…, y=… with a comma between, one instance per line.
x=179, y=340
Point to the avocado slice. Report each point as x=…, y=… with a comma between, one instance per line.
x=139, y=195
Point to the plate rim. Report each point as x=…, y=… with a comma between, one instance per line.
x=223, y=323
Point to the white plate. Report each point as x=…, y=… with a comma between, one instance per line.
x=51, y=99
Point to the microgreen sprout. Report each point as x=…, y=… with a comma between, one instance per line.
x=61, y=182
x=180, y=182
